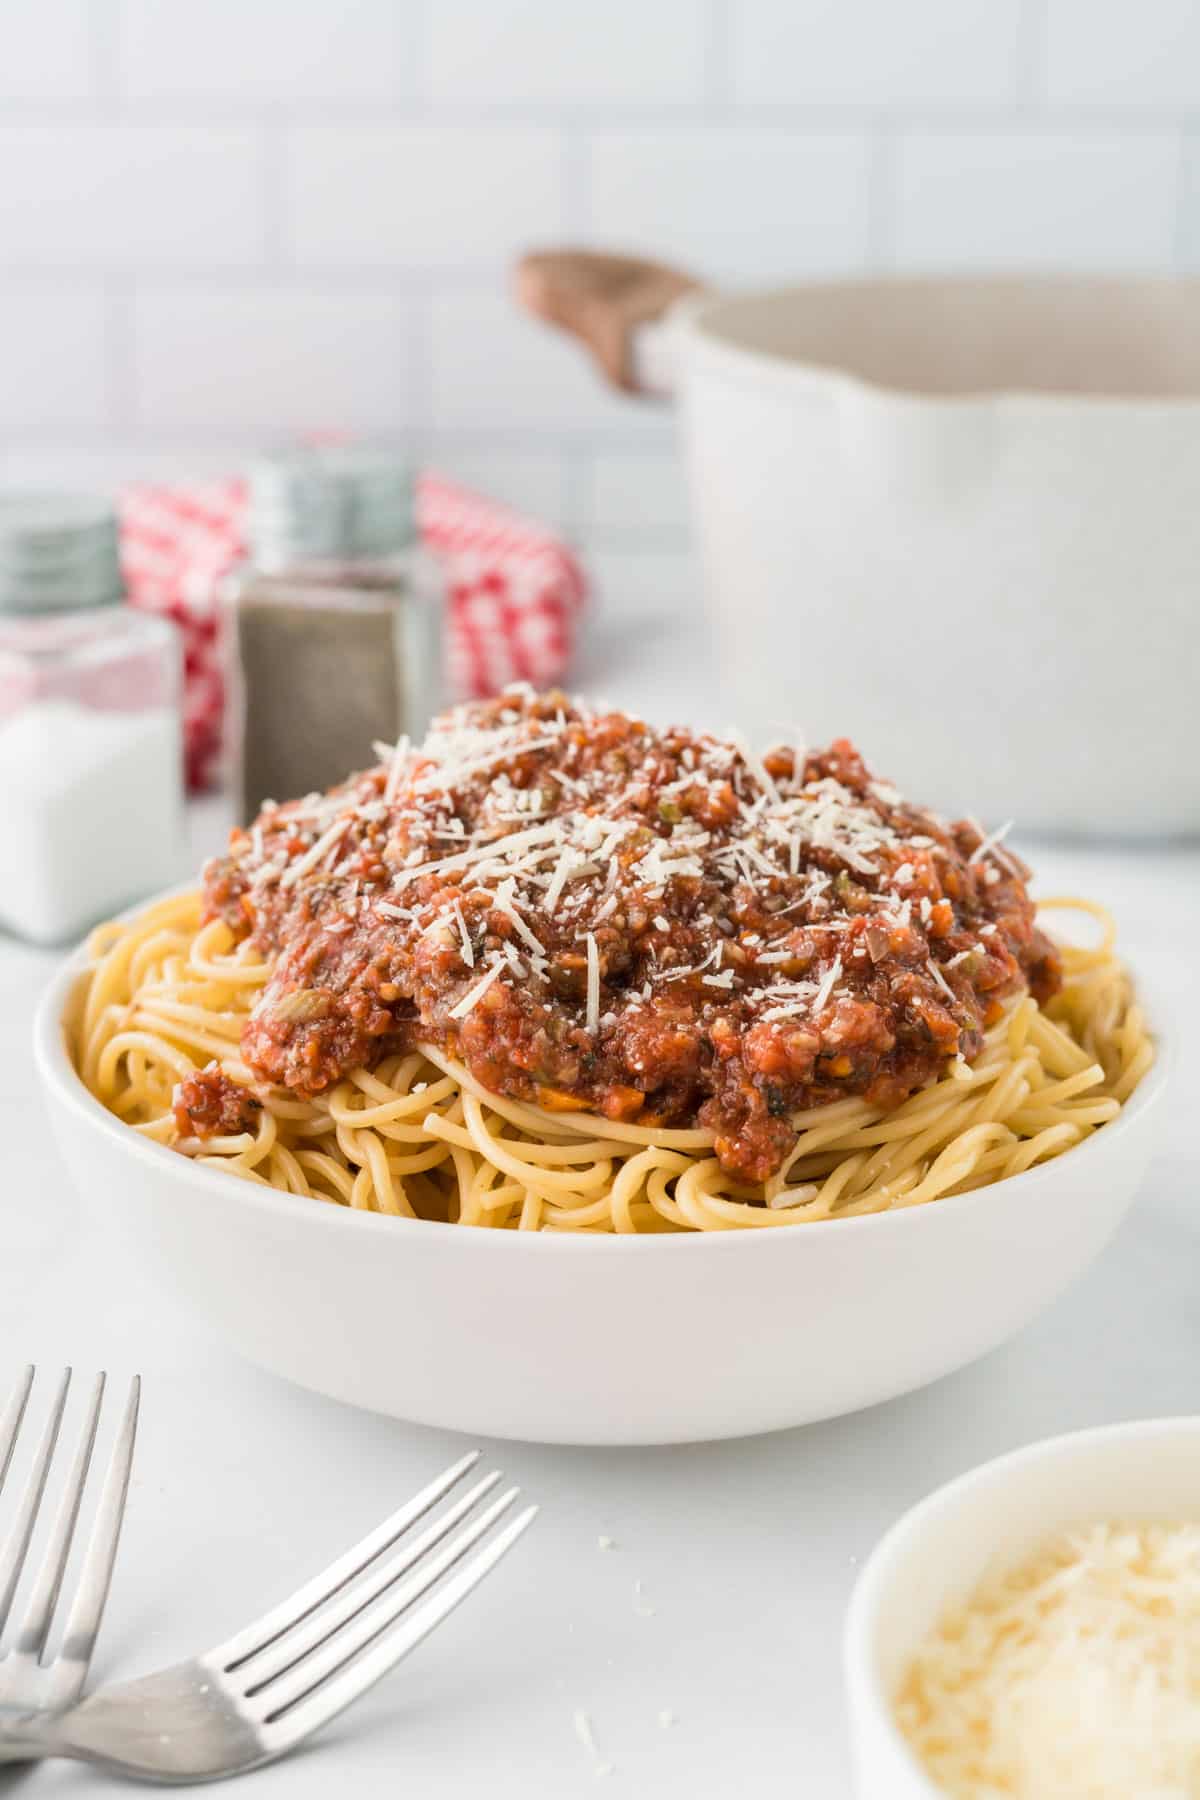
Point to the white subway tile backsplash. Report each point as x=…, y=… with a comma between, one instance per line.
x=227, y=221
x=1037, y=199
x=266, y=362
x=53, y=361
x=1189, y=204
x=636, y=492
x=643, y=581
x=419, y=196
x=637, y=597
x=60, y=463
x=1123, y=55
x=490, y=368
x=247, y=51
x=553, y=52
x=45, y=49
x=739, y=204
x=121, y=195
x=533, y=483
x=876, y=52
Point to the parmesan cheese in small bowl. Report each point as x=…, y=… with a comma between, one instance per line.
x=1033, y=1628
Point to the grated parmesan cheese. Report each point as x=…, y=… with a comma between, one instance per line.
x=485, y=826
x=1076, y=1673
x=583, y=1731
x=641, y=1605
x=831, y=978
x=314, y=853
x=475, y=994
x=504, y=902
x=593, y=984
x=464, y=935
x=942, y=982
x=989, y=843
x=755, y=765
x=397, y=758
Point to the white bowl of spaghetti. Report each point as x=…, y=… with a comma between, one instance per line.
x=739, y=1144
x=583, y=1337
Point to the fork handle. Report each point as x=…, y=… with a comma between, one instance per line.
x=36, y=1736
x=16, y=1750
x=24, y=1737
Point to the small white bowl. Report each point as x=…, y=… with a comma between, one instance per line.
x=992, y=1518
x=597, y=1340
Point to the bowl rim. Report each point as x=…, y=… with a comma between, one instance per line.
x=61, y=1080
x=864, y=1689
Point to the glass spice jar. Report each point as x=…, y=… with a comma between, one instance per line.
x=335, y=624
x=91, y=763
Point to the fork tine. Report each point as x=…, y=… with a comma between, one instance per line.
x=10, y=1425
x=314, y=1708
x=263, y=1632
x=87, y=1608
x=289, y=1648
x=35, y=1628
x=17, y=1546
x=302, y=1677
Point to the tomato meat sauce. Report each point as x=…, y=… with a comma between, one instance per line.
x=656, y=925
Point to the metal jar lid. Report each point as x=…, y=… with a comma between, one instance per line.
x=58, y=552
x=328, y=503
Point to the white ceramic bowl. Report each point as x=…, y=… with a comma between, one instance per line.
x=995, y=1515
x=615, y=1340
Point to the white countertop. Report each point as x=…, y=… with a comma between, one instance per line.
x=746, y=1551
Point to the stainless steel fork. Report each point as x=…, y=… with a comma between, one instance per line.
x=29, y=1683
x=258, y=1695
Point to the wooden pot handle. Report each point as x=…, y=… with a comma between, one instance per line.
x=604, y=300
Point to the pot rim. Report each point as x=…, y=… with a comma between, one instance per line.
x=706, y=323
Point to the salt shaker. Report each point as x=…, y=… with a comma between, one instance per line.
x=90, y=752
x=335, y=624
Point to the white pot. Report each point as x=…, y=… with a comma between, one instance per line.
x=959, y=521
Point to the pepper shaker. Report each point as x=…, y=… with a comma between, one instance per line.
x=335, y=624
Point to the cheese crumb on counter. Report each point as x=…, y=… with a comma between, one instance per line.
x=1076, y=1673
x=641, y=1605
x=583, y=1731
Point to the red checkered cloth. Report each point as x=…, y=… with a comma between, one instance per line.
x=178, y=545
x=513, y=589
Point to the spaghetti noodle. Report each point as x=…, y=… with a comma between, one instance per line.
x=419, y=1136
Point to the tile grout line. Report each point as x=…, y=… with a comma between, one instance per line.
x=273, y=196
x=719, y=113
x=883, y=152
x=120, y=361
x=1187, y=200
x=420, y=425
x=718, y=55
x=103, y=29
x=1030, y=64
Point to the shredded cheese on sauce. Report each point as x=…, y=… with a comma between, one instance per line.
x=464, y=936
x=672, y=858
x=593, y=984
x=1076, y=1674
x=473, y=995
x=314, y=853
